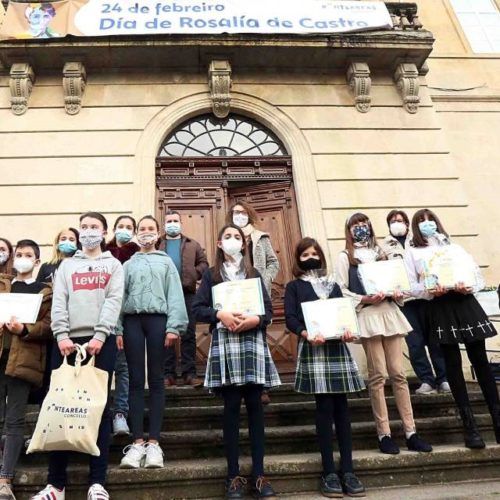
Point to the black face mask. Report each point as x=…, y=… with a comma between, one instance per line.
x=310, y=264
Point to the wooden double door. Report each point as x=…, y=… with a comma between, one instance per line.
x=202, y=190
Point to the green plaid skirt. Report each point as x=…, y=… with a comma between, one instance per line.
x=327, y=368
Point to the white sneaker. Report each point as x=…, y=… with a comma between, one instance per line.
x=120, y=426
x=97, y=492
x=49, y=493
x=426, y=389
x=6, y=492
x=444, y=387
x=154, y=457
x=135, y=454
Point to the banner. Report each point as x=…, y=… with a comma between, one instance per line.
x=143, y=17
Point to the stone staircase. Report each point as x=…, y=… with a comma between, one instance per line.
x=195, y=464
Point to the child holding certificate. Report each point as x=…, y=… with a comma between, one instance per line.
x=23, y=357
x=454, y=317
x=239, y=363
x=326, y=369
x=382, y=326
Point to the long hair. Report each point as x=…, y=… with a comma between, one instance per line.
x=418, y=239
x=6, y=268
x=150, y=217
x=112, y=242
x=103, y=221
x=301, y=246
x=349, y=240
x=219, y=256
x=57, y=255
x=252, y=214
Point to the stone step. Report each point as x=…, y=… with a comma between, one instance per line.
x=204, y=478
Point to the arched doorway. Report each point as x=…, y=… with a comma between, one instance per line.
x=206, y=164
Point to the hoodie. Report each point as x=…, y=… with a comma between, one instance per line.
x=153, y=286
x=87, y=297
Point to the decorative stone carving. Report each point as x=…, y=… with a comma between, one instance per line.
x=74, y=81
x=219, y=83
x=406, y=78
x=358, y=77
x=21, y=82
x=404, y=15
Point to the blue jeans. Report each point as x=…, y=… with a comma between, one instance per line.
x=414, y=311
x=120, y=399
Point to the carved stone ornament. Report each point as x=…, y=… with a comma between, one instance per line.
x=74, y=81
x=21, y=82
x=406, y=78
x=219, y=83
x=358, y=78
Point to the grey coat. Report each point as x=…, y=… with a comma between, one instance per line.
x=264, y=258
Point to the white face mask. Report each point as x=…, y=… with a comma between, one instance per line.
x=91, y=238
x=147, y=240
x=4, y=257
x=23, y=265
x=398, y=228
x=240, y=220
x=232, y=246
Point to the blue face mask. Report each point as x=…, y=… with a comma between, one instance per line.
x=123, y=236
x=173, y=228
x=67, y=247
x=361, y=234
x=428, y=228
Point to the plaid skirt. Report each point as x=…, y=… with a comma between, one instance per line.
x=327, y=368
x=239, y=359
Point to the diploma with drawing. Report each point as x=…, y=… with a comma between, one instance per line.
x=385, y=276
x=331, y=317
x=23, y=306
x=243, y=296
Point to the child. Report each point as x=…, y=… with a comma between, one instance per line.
x=88, y=291
x=455, y=317
x=382, y=327
x=239, y=362
x=66, y=244
x=324, y=368
x=6, y=256
x=153, y=315
x=23, y=357
x=122, y=247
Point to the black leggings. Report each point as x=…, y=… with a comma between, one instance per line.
x=231, y=426
x=476, y=352
x=332, y=408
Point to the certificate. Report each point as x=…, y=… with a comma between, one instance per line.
x=331, y=317
x=489, y=302
x=448, y=266
x=24, y=306
x=385, y=276
x=242, y=296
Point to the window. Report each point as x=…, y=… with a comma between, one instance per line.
x=480, y=20
x=233, y=136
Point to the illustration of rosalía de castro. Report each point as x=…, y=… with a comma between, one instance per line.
x=39, y=17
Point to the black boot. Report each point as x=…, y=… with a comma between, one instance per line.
x=472, y=437
x=495, y=417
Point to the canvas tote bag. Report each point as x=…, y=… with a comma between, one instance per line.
x=71, y=412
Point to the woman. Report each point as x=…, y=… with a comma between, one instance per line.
x=6, y=256
x=324, y=368
x=239, y=363
x=382, y=326
x=153, y=316
x=121, y=246
x=66, y=243
x=454, y=317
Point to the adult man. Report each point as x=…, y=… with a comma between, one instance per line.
x=191, y=261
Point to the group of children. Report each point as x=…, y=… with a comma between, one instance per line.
x=138, y=308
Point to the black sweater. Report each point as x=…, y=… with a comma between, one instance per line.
x=298, y=291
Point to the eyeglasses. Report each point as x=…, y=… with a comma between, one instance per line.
x=240, y=212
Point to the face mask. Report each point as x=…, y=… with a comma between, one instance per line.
x=147, y=240
x=398, y=228
x=23, y=265
x=123, y=235
x=67, y=247
x=240, y=220
x=310, y=264
x=232, y=246
x=173, y=228
x=361, y=234
x=4, y=257
x=428, y=228
x=91, y=238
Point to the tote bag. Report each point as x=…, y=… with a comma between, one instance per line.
x=71, y=412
